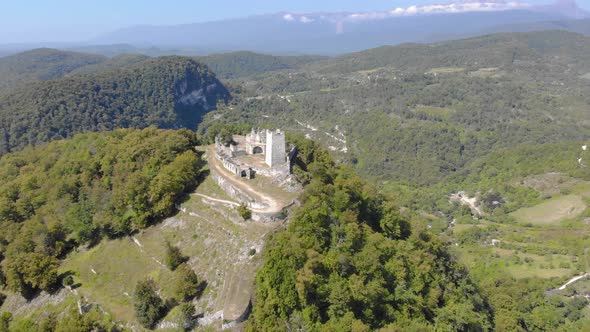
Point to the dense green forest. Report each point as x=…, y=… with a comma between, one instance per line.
x=349, y=262
x=41, y=64
x=496, y=50
x=119, y=61
x=416, y=114
x=58, y=196
x=167, y=92
x=241, y=64
x=500, y=117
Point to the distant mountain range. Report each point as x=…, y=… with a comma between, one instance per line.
x=288, y=33
x=336, y=33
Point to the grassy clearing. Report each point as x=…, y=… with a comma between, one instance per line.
x=484, y=72
x=440, y=112
x=118, y=264
x=460, y=228
x=216, y=239
x=517, y=263
x=446, y=70
x=552, y=211
x=582, y=189
x=372, y=71
x=550, y=184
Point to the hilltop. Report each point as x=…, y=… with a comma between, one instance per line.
x=41, y=64
x=167, y=92
x=469, y=210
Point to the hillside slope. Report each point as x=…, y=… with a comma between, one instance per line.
x=41, y=64
x=419, y=113
x=167, y=92
x=239, y=64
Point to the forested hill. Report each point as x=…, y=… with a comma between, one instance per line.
x=349, y=262
x=56, y=197
x=166, y=92
x=495, y=50
x=42, y=64
x=239, y=64
x=418, y=113
x=119, y=61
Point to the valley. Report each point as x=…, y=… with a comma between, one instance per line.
x=441, y=186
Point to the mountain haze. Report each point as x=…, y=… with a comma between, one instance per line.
x=335, y=33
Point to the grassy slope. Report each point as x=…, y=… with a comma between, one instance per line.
x=552, y=234
x=213, y=236
x=553, y=210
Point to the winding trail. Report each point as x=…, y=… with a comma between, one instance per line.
x=462, y=198
x=217, y=200
x=572, y=280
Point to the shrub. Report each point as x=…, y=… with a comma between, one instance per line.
x=244, y=212
x=187, y=286
x=187, y=313
x=68, y=281
x=173, y=256
x=149, y=307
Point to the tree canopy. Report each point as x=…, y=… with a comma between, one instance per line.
x=66, y=193
x=169, y=92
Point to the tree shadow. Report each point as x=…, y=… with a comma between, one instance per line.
x=60, y=282
x=201, y=289
x=191, y=189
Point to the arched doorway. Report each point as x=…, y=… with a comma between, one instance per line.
x=257, y=150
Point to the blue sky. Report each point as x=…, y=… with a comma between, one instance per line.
x=77, y=20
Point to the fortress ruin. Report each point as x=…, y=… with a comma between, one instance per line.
x=261, y=152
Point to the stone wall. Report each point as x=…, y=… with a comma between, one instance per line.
x=242, y=197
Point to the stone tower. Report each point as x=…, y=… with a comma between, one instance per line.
x=275, y=148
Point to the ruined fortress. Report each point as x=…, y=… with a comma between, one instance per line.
x=262, y=152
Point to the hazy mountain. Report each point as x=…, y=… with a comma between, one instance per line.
x=580, y=26
x=333, y=33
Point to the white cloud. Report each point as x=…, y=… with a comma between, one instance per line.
x=442, y=8
x=464, y=6
x=305, y=19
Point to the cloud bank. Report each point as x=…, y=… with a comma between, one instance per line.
x=444, y=8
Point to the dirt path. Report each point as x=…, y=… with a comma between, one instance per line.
x=217, y=200
x=215, y=165
x=572, y=280
x=462, y=198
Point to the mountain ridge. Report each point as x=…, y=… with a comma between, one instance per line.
x=337, y=33
x=168, y=92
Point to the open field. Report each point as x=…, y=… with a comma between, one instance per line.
x=551, y=211
x=446, y=70
x=517, y=263
x=440, y=112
